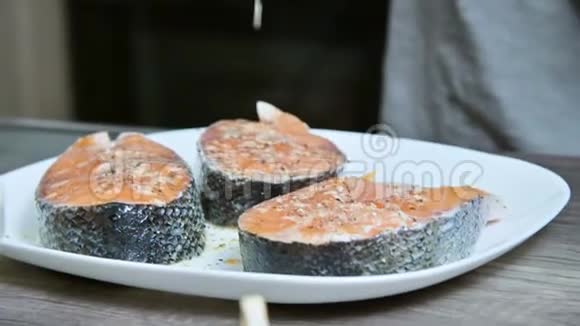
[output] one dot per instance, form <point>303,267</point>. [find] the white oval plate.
<point>533,195</point>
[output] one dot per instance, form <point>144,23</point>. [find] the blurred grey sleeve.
<point>492,75</point>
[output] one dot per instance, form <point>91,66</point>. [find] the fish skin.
<point>139,233</point>
<point>222,195</point>
<point>441,240</point>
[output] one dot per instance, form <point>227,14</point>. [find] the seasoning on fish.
<point>246,162</point>
<point>129,199</point>
<point>353,226</point>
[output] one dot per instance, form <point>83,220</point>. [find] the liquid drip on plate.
<point>222,251</point>
<point>257,21</point>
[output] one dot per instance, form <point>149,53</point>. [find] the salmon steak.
<point>130,199</point>
<point>353,226</point>
<point>246,162</point>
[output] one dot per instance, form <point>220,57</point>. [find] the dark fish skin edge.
<point>440,241</point>
<point>224,198</point>
<point>140,233</point>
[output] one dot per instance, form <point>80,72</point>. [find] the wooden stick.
<point>253,311</point>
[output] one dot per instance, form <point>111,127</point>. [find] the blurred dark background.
<point>189,63</point>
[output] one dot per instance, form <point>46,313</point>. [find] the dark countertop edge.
<point>70,126</point>
<point>75,126</point>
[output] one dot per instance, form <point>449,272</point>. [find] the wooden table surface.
<point>538,283</point>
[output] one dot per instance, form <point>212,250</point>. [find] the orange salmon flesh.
<point>132,169</point>
<point>279,144</point>
<point>343,209</point>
